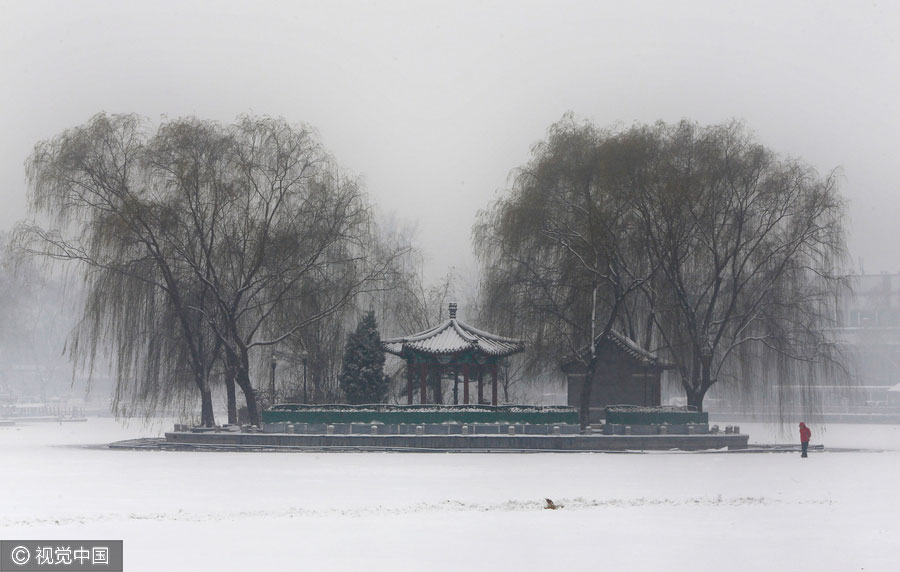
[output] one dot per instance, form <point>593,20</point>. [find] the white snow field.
<point>692,512</point>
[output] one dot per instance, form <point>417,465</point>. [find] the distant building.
<point>893,396</point>
<point>869,328</point>
<point>626,374</point>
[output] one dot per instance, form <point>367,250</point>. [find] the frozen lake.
<point>836,511</point>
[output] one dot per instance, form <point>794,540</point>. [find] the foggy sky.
<point>434,103</point>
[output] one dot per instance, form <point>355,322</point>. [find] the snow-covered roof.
<point>628,346</point>
<point>451,337</point>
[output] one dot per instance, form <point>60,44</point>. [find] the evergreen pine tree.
<point>362,374</point>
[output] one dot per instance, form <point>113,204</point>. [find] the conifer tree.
<point>362,375</point>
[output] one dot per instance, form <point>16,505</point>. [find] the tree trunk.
<point>695,396</point>
<point>243,381</point>
<point>240,365</point>
<point>699,387</point>
<point>695,399</point>
<point>230,396</point>
<point>207,418</point>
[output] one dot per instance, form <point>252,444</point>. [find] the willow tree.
<point>561,249</point>
<point>286,227</point>
<point>236,227</point>
<point>750,248</point>
<point>91,184</point>
<point>699,242</point>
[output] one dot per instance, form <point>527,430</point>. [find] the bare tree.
<point>696,241</point>
<point>408,302</point>
<point>91,182</point>
<point>750,248</point>
<point>560,250</point>
<point>226,231</point>
<point>298,226</point>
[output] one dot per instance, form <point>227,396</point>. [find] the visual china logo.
<point>72,555</point>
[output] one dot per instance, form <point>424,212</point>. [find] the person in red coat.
<point>805,434</point>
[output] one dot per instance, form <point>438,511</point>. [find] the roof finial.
<point>452,310</point>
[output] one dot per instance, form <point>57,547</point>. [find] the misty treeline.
<point>203,247</point>
<point>697,242</point>
<point>33,326</point>
<point>207,250</point>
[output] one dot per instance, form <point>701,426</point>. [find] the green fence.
<point>653,416</point>
<point>418,414</point>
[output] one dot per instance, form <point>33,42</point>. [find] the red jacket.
<point>805,433</point>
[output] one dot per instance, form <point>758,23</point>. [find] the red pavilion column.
<point>494,384</point>
<point>466,384</point>
<point>423,388</point>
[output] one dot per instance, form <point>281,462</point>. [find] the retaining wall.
<point>640,417</point>
<point>427,428</point>
<point>418,414</point>
<point>461,442</point>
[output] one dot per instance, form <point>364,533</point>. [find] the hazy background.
<point>433,103</point>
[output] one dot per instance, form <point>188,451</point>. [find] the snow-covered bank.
<point>836,435</point>
<point>384,511</point>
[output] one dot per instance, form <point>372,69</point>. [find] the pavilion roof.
<point>626,345</point>
<point>453,336</point>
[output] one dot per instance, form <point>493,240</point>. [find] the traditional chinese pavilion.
<point>452,346</point>
<point>625,375</point>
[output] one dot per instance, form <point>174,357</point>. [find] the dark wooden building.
<point>626,374</point>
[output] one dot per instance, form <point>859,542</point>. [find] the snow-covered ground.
<point>836,511</point>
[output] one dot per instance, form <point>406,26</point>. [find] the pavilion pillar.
<point>466,384</point>
<point>409,383</point>
<point>480,385</point>
<point>494,384</point>
<point>423,387</point>
<point>437,394</point>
